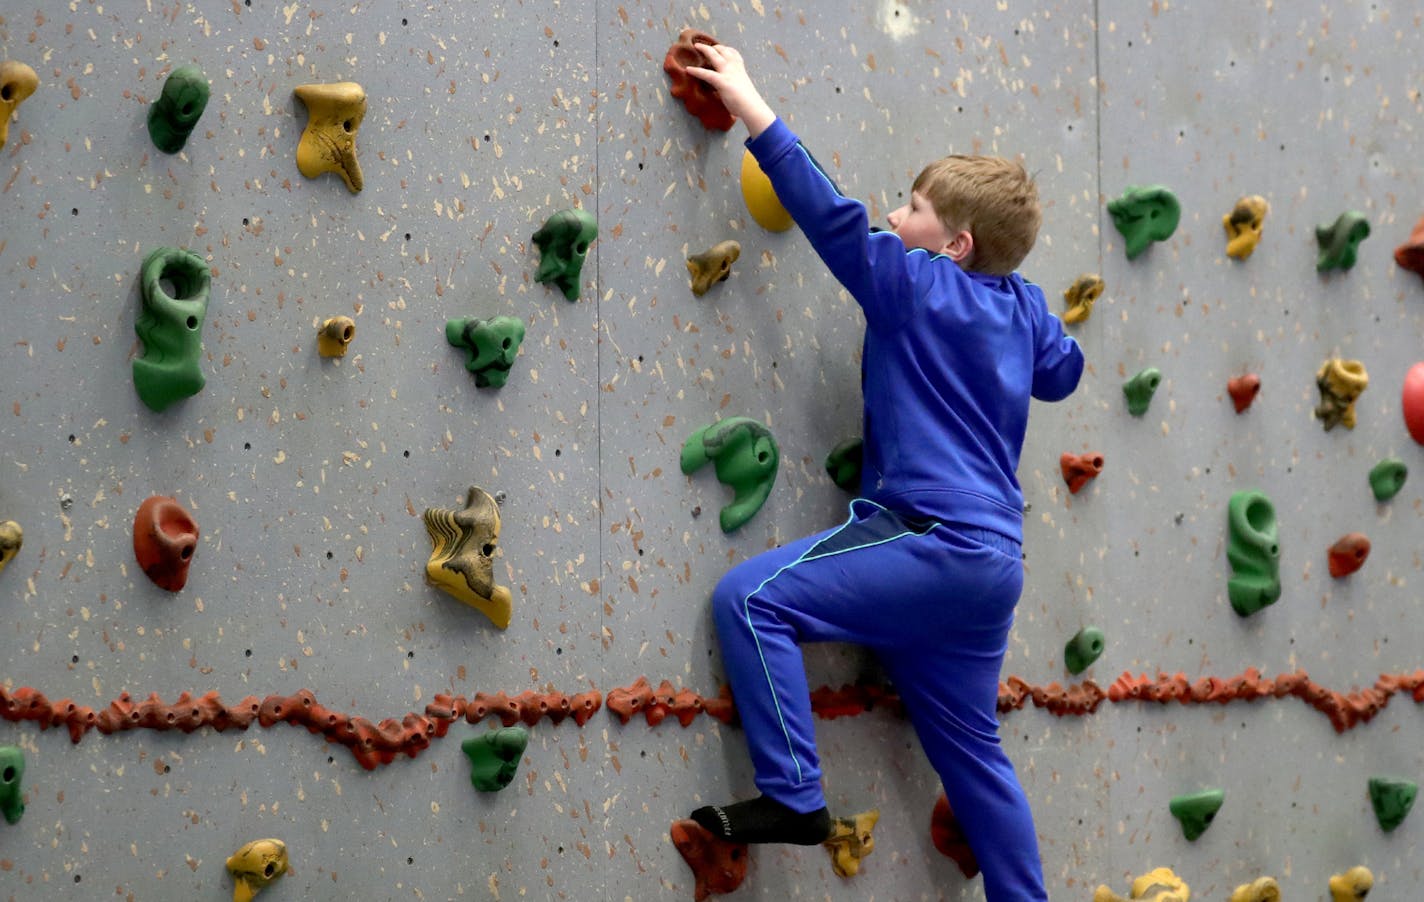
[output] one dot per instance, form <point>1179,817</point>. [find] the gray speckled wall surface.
<point>308,476</point>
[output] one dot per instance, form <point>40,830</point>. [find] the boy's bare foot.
<point>763,820</point>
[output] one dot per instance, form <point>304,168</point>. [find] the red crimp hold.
<point>445,710</point>
<point>700,98</point>
<point>722,707</point>
<point>718,866</point>
<point>660,705</point>
<point>626,701</point>
<point>556,707</point>
<point>1243,390</point>
<point>478,708</point>
<point>1348,554</point>
<point>1410,254</point>
<point>585,705</point>
<point>531,707</point>
<point>686,705</point>
<point>949,838</point>
<point>508,710</point>
<point>1013,694</point>
<point>1078,469</point>
<point>828,703</point>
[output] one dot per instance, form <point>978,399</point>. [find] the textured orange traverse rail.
<point>374,744</point>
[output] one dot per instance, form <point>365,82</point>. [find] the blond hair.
<point>993,199</point>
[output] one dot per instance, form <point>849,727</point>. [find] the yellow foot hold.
<point>1243,226</point>
<point>462,561</point>
<point>1353,885</point>
<point>1341,382</point>
<point>712,266</point>
<point>11,538</point>
<point>761,200</point>
<point>1160,885</point>
<point>850,841</point>
<point>255,866</point>
<point>1264,889</point>
<point>17,81</point>
<point>334,336</point>
<point>334,114</point>
<point>1080,296</point>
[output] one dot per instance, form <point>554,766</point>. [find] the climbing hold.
<point>172,117</point>
<point>164,539</point>
<point>1243,226</point>
<point>1083,649</point>
<point>1196,811</point>
<point>1079,298</point>
<point>17,82</point>
<point>12,773</point>
<point>328,143</point>
<point>1387,478</point>
<point>1140,388</point>
<point>713,265</point>
<point>256,866</point>
<point>1144,215</point>
<point>1253,552</point>
<point>563,243</point>
<point>761,200</point>
<point>1348,554</point>
<point>700,98</point>
<point>170,327</point>
<point>1079,468</point>
<point>494,757</point>
<point>1243,390</point>
<point>1340,241</point>
<point>11,538</point>
<point>1392,798</point>
<point>1413,402</point>
<point>334,336</point>
<point>1352,885</point>
<point>462,560</point>
<point>718,866</point>
<point>1409,255</point>
<point>844,462</point>
<point>949,838</point>
<point>1340,382</point>
<point>850,841</point>
<point>1262,889</point>
<point>746,460</point>
<point>492,344</point>
<point>1160,885</point>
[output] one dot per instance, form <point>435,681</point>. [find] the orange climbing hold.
<point>1078,469</point>
<point>1348,554</point>
<point>1410,254</point>
<point>700,98</point>
<point>1243,390</point>
<point>949,838</point>
<point>718,866</point>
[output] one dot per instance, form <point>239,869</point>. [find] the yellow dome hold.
<point>761,198</point>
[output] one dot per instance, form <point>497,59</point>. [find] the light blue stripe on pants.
<point>935,603</point>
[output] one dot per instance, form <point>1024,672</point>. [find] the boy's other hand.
<point>727,73</point>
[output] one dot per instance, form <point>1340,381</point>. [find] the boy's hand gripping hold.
<point>725,72</point>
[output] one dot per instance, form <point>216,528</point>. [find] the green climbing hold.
<point>746,459</point>
<point>1340,241</point>
<point>170,327</point>
<point>492,344</point>
<point>1196,811</point>
<point>1144,215</point>
<point>172,117</point>
<point>12,772</point>
<point>1083,649</point>
<point>563,243</point>
<point>844,462</point>
<point>1391,797</point>
<point>494,757</point>
<point>1253,552</point>
<point>1387,478</point>
<point>1140,389</point>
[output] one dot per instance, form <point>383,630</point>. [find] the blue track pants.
<point>935,604</point>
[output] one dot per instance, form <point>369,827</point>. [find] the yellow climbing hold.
<point>1160,885</point>
<point>1080,296</point>
<point>255,866</point>
<point>1352,885</point>
<point>1341,382</point>
<point>1263,889</point>
<point>850,841</point>
<point>11,538</point>
<point>761,198</point>
<point>328,144</point>
<point>335,335</point>
<point>17,81</point>
<point>1243,226</point>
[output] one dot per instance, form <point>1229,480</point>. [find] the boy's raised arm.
<point>726,72</point>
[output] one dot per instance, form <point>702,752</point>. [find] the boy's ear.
<point>959,247</point>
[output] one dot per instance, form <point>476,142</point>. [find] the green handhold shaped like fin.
<point>1392,798</point>
<point>1254,552</point>
<point>1083,649</point>
<point>1140,389</point>
<point>492,345</point>
<point>746,459</point>
<point>170,327</point>
<point>563,243</point>
<point>173,116</point>
<point>1340,241</point>
<point>494,757</point>
<point>1387,478</point>
<point>1196,811</point>
<point>1144,215</point>
<point>12,772</point>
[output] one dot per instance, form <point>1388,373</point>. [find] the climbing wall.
<point>308,476</point>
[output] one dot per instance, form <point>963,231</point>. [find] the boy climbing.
<point>927,569</point>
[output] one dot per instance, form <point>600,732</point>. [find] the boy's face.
<point>919,226</point>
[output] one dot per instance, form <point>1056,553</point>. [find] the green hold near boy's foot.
<point>1144,215</point>
<point>12,772</point>
<point>746,459</point>
<point>170,327</point>
<point>1140,389</point>
<point>1196,811</point>
<point>844,462</point>
<point>492,344</point>
<point>563,243</point>
<point>1387,478</point>
<point>1392,798</point>
<point>1083,649</point>
<point>494,757</point>
<point>172,117</point>
<point>1340,241</point>
<point>1254,552</point>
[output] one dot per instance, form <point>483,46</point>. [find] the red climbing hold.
<point>1243,390</point>
<point>1348,554</point>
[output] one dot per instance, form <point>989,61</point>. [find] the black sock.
<point>764,820</point>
